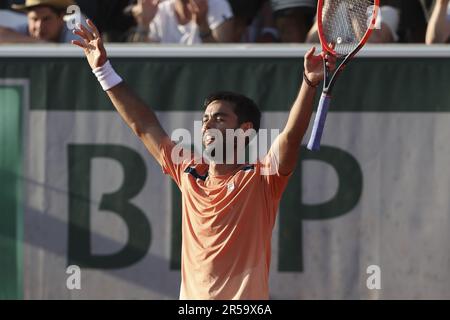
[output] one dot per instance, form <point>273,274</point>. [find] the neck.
<point>216,169</point>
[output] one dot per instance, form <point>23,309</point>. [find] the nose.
<point>37,28</point>
<point>206,125</point>
<point>38,24</point>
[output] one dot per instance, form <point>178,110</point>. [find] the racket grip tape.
<point>319,123</point>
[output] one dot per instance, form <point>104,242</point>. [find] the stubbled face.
<point>218,115</point>
<point>45,24</point>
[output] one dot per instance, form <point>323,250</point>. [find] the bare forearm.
<point>300,115</point>
<point>313,35</point>
<point>209,38</point>
<point>139,117</point>
<point>290,139</point>
<point>206,34</point>
<point>221,34</point>
<point>438,27</point>
<point>132,109</point>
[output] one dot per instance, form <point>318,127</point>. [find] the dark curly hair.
<point>245,108</point>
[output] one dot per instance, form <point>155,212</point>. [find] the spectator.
<point>45,23</point>
<point>413,20</point>
<point>438,30</point>
<point>110,18</point>
<point>387,24</point>
<point>293,18</point>
<point>253,21</point>
<point>406,19</point>
<point>183,21</point>
<point>388,21</point>
<point>8,18</point>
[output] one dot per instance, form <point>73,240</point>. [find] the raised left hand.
<point>313,64</point>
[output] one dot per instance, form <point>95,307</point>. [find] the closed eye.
<point>218,117</point>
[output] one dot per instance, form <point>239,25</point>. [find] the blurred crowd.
<point>211,21</point>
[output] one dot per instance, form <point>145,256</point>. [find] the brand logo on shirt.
<point>230,186</point>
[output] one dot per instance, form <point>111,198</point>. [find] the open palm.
<point>92,44</point>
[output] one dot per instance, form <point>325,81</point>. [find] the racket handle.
<point>319,123</point>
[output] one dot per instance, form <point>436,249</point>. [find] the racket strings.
<point>345,22</point>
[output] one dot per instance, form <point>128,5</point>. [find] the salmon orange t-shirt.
<point>227,224</point>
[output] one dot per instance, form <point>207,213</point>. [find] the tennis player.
<point>229,209</point>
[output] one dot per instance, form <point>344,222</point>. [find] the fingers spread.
<point>93,27</point>
<point>87,33</point>
<point>95,32</point>
<point>80,44</point>
<point>80,34</point>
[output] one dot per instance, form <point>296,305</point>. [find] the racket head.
<point>344,26</point>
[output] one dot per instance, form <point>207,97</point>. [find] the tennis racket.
<point>344,27</point>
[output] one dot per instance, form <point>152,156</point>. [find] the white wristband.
<point>106,75</point>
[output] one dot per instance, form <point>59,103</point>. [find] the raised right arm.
<point>137,115</point>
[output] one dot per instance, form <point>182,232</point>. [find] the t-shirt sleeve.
<point>154,32</point>
<point>156,26</point>
<point>391,17</point>
<point>275,181</point>
<point>219,11</point>
<point>174,160</point>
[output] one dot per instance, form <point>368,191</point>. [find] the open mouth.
<point>208,140</point>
